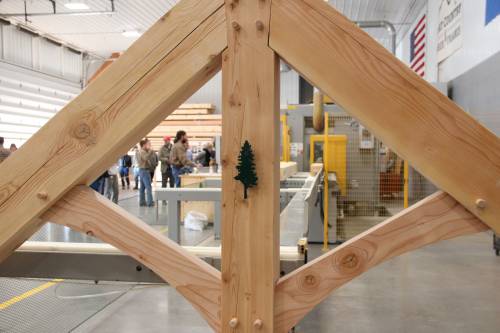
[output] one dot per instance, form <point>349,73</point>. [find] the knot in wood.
<point>309,282</point>
<point>82,131</point>
<point>310,279</point>
<point>349,261</point>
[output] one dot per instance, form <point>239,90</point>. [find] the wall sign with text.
<point>450,30</point>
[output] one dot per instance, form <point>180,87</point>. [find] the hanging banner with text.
<point>450,32</point>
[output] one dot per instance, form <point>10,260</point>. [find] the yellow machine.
<point>337,156</point>
<point>285,139</point>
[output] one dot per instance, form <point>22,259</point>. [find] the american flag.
<point>417,47</point>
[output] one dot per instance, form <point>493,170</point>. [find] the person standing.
<point>144,161</point>
<point>112,183</point>
<point>206,156</point>
<point>13,147</point>
<point>166,168</point>
<point>4,153</point>
<point>178,158</point>
<point>99,184</point>
<point>135,166</point>
<point>125,164</point>
<point>189,152</point>
<point>153,162</point>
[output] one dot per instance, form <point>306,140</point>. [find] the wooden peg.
<point>236,26</point>
<point>257,324</point>
<point>233,322</point>
<point>42,195</point>
<point>259,25</point>
<point>481,203</point>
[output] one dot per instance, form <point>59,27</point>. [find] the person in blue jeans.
<point>144,162</point>
<point>180,163</point>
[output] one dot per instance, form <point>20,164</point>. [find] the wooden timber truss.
<point>44,180</point>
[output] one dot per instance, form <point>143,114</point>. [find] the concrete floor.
<point>129,201</point>
<point>452,286</point>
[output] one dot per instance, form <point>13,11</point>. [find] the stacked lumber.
<point>287,169</point>
<point>197,120</point>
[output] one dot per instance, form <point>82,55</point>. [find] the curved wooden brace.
<point>86,211</point>
<point>433,219</point>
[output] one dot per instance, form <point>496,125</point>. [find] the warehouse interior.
<point>337,179</point>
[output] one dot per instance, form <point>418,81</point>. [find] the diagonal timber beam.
<point>86,211</point>
<point>439,139</point>
<point>170,62</point>
<point>436,218</point>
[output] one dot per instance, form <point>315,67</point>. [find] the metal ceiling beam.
<point>381,24</point>
<point>55,13</point>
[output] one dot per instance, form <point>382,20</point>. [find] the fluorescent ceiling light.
<point>131,33</point>
<point>76,5</point>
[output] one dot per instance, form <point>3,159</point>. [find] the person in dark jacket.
<point>125,164</point>
<point>153,162</point>
<point>178,157</point>
<point>166,167</point>
<point>206,155</point>
<point>4,153</point>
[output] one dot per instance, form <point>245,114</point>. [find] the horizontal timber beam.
<point>86,211</point>
<point>172,60</point>
<point>439,139</point>
<point>436,218</point>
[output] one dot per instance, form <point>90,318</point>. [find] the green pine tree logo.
<point>246,168</point>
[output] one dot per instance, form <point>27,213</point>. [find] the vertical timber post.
<point>250,227</point>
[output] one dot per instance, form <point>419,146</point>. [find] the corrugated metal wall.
<point>28,50</point>
<point>37,78</point>
<point>211,92</point>
<point>289,87</point>
<point>17,46</point>
<point>477,91</point>
<point>72,65</point>
<point>28,99</point>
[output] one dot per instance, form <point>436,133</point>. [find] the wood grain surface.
<point>433,219</point>
<point>250,228</point>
